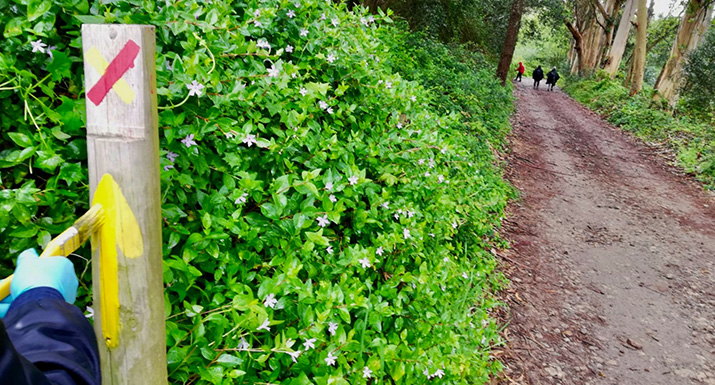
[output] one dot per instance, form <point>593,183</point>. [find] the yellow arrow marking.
<point>100,64</point>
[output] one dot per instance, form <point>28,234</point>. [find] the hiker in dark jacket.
<point>551,78</point>
<point>44,339</point>
<point>537,75</point>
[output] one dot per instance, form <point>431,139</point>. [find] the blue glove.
<point>55,272</point>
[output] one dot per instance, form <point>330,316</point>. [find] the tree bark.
<point>578,41</point>
<point>693,26</point>
<point>512,34</point>
<point>638,69</point>
<point>613,61</point>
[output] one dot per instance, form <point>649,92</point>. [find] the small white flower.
<point>439,373</point>
<point>379,251</point>
<point>454,225</point>
<point>329,250</point>
<point>303,32</point>
<point>303,91</point>
<point>333,198</point>
<point>365,262</point>
<point>50,49</point>
<point>465,275</point>
<point>323,221</point>
<point>309,344</point>
<point>289,48</point>
<point>426,372</point>
<point>445,259</point>
<point>330,359</point>
<point>371,19</point>
<point>257,13</point>
<point>323,105</point>
<point>228,135</point>
<point>485,323</point>
<point>195,88</point>
<point>90,312</point>
<point>273,72</point>
<point>484,340</point>
<point>330,110</point>
<point>168,167</point>
<point>421,161</point>
<point>250,140</point>
<point>243,345</point>
<point>189,141</point>
<point>399,125</point>
<point>322,16</point>
<point>270,301</point>
<point>413,98</point>
<point>363,21</point>
<point>366,372</point>
<point>331,58</point>
<point>440,178</point>
<point>444,288</point>
<point>329,186</point>
<point>241,200</point>
<point>335,22</point>
<point>397,216</point>
<point>263,44</point>
<point>258,24</point>
<point>294,355</point>
<point>38,46</point>
<point>353,180</point>
<point>406,233</point>
<point>332,328</point>
<point>171,156</point>
<point>265,326</point>
<point>386,205</point>
<point>427,174</point>
<point>431,235</point>
<point>388,85</point>
<point>291,14</point>
<point>296,4</point>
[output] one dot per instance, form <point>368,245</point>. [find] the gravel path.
<point>613,258</point>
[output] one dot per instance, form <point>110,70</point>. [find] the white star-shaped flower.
<point>303,91</point>
<point>427,174</point>
<point>258,24</point>
<point>431,235</point>
<point>386,205</point>
<point>333,198</point>
<point>90,312</point>
<point>323,17</point>
<point>195,88</point>
<point>454,225</point>
<point>371,19</point>
<point>273,72</point>
<point>241,200</point>
<point>49,51</point>
<point>257,13</point>
<point>189,141</point>
<point>263,44</point>
<point>330,110</point>
<point>294,355</point>
<point>330,359</point>
<point>365,262</point>
<point>265,326</point>
<point>440,178</point>
<point>366,372</point>
<point>309,343</point>
<point>353,180</point>
<point>445,259</point>
<point>270,301</point>
<point>289,48</point>
<point>426,372</point>
<point>379,251</point>
<point>406,234</point>
<point>171,156</point>
<point>331,58</point>
<point>250,140</point>
<point>397,216</point>
<point>388,85</point>
<point>485,323</point>
<point>323,105</point>
<point>399,125</point>
<point>329,250</point>
<point>421,161</point>
<point>243,345</point>
<point>303,32</point>
<point>291,14</point>
<point>335,22</point>
<point>439,373</point>
<point>38,46</point>
<point>329,186</point>
<point>363,21</point>
<point>323,221</point>
<point>413,98</point>
<point>332,328</point>
<point>465,275</point>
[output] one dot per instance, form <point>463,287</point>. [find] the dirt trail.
<point>613,259</point>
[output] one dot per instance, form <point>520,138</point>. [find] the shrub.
<point>316,204</point>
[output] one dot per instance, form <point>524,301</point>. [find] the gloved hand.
<point>55,272</point>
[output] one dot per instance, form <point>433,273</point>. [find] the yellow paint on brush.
<point>120,229</point>
<point>100,64</point>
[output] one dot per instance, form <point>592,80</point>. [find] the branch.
<point>605,14</point>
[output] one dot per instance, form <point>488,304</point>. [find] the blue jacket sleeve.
<point>47,341</point>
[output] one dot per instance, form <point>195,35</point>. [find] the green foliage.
<point>316,203</point>
<point>699,88</point>
<point>691,139</point>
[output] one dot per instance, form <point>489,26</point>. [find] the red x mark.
<point>116,69</point>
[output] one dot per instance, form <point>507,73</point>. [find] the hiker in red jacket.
<point>520,71</point>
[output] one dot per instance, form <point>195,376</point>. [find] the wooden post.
<point>123,141</point>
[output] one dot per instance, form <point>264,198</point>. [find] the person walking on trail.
<point>44,339</point>
<point>537,75</point>
<point>520,71</point>
<point>551,78</point>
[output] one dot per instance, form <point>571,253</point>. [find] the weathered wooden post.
<point>123,142</point>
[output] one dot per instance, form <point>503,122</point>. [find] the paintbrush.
<point>68,241</point>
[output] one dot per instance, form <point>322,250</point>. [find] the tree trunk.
<point>613,62</point>
<point>512,34</point>
<point>578,41</point>
<point>639,52</point>
<point>692,28</point>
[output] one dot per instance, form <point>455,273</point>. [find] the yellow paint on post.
<point>121,230</point>
<point>100,64</point>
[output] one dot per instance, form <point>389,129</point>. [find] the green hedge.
<point>316,203</point>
